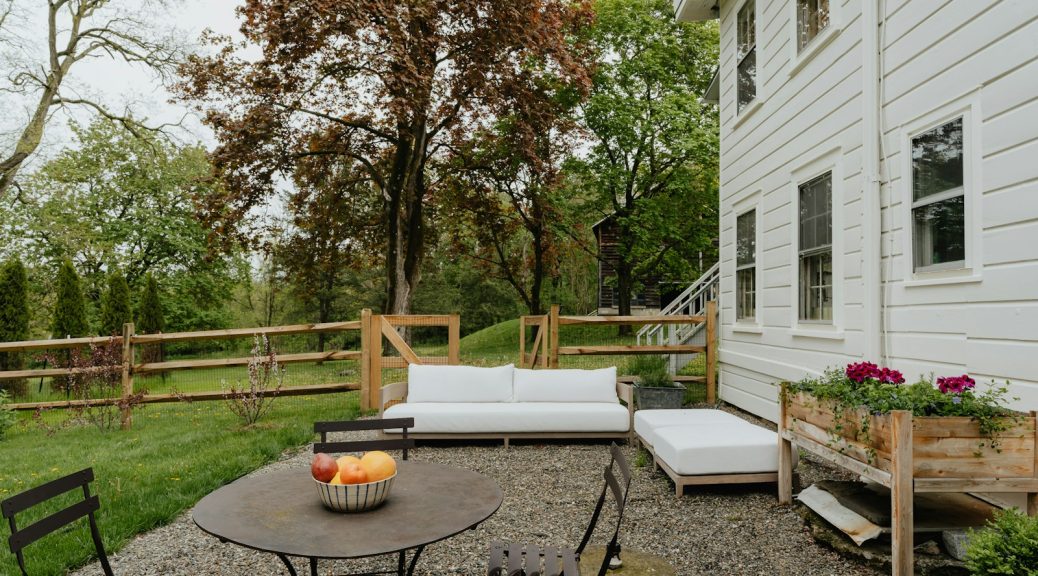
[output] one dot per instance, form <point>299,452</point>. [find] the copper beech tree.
<point>388,86</point>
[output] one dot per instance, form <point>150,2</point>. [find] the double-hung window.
<point>816,249</point>
<point>746,41</point>
<point>938,199</point>
<point>746,266</point>
<point>812,19</point>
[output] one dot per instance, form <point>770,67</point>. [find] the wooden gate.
<point>538,355</point>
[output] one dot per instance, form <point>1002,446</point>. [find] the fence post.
<point>127,411</point>
<point>553,333</point>
<point>711,351</point>
<point>375,371</point>
<point>522,342</point>
<point>542,329</point>
<point>365,359</point>
<point>901,493</point>
<point>454,340</point>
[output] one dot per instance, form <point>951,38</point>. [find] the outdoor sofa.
<point>504,402</point>
<point>706,446</point>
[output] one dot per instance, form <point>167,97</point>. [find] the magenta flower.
<point>862,371</point>
<point>955,384</point>
<point>888,376</point>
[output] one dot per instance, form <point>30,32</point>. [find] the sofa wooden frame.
<point>396,393</point>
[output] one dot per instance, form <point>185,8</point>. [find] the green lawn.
<point>174,455</point>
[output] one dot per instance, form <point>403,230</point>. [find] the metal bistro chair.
<point>510,559</point>
<point>19,502</point>
<point>403,444</point>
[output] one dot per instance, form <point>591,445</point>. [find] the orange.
<point>378,465</point>
<point>352,473</point>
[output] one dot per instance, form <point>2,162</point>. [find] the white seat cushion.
<point>717,448</point>
<point>646,422</point>
<point>463,417</point>
<point>459,383</point>
<point>566,385</point>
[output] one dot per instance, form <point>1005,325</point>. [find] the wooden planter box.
<point>910,454</point>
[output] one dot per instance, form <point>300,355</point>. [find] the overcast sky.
<point>118,84</point>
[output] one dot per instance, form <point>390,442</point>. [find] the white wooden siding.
<point>935,52</point>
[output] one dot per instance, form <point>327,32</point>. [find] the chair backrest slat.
<point>621,461</point>
<point>364,445</point>
<point>614,487</point>
<point>359,425</point>
<point>56,521</point>
<point>44,492</point>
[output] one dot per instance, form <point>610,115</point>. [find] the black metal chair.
<point>403,444</point>
<point>510,559</point>
<point>20,538</point>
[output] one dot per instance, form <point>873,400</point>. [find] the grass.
<point>147,476</point>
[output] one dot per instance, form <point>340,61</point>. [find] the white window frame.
<point>968,108</point>
<point>799,58</point>
<point>831,161</point>
<point>742,210</point>
<point>753,105</point>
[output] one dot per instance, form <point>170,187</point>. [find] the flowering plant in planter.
<point>866,388</point>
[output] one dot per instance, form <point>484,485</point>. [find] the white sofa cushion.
<point>566,385</point>
<point>717,448</point>
<point>459,383</point>
<point>646,422</point>
<point>464,417</point>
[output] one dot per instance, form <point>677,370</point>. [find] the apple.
<point>324,467</point>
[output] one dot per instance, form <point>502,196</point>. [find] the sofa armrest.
<point>392,393</point>
<point>626,393</point>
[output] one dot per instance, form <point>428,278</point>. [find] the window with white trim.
<point>938,199</point>
<point>746,266</point>
<point>812,19</point>
<point>746,56</point>
<point>816,249</point>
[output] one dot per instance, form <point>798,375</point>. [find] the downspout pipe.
<point>872,224</point>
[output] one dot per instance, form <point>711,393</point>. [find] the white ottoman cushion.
<point>459,383</point>
<point>717,448</point>
<point>486,417</point>
<point>646,422</point>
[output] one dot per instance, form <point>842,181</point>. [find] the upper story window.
<point>812,19</point>
<point>746,41</point>
<point>816,249</point>
<point>938,198</point>
<point>746,266</point>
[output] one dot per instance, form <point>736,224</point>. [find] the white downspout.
<point>872,226</point>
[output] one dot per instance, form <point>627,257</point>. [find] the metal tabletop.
<point>281,512</point>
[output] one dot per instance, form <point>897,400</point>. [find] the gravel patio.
<point>550,491</point>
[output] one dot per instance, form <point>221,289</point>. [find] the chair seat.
<point>511,559</point>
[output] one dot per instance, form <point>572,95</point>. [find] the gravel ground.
<point>550,492</point>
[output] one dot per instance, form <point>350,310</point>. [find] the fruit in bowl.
<point>352,484</point>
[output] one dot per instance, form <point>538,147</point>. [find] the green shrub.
<point>115,305</point>
<point>7,416</point>
<point>70,316</point>
<point>652,371</point>
<point>1008,545</point>
<point>14,320</point>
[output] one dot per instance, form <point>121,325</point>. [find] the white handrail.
<point>691,301</point>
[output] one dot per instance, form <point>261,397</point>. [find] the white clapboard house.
<point>879,189</point>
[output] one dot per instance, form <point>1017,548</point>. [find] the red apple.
<point>324,467</point>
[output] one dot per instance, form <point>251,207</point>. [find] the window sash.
<point>746,55</point>
<point>811,22</point>
<point>934,237</point>
<point>746,238</point>
<point>746,293</point>
<point>816,287</point>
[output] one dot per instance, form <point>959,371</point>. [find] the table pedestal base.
<point>401,561</point>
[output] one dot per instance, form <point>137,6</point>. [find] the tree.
<point>115,305</point>
<point>70,315</point>
<point>150,319</point>
<point>14,319</point>
<point>652,162</point>
<point>77,30</point>
<point>382,87</point>
<point>128,202</point>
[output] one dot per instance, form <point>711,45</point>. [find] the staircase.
<point>692,301</point>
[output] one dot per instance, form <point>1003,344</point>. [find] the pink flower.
<point>888,376</point>
<point>955,384</point>
<point>861,371</point>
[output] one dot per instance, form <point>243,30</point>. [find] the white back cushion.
<point>567,385</point>
<point>459,383</point>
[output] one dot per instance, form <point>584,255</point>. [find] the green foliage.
<point>150,318</point>
<point>14,319</point>
<point>70,316</point>
<point>115,305</point>
<point>652,371</point>
<point>655,142</point>
<point>987,408</point>
<point>455,286</point>
<point>7,416</point>
<point>1007,546</point>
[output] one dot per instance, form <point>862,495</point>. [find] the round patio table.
<point>280,512</point>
